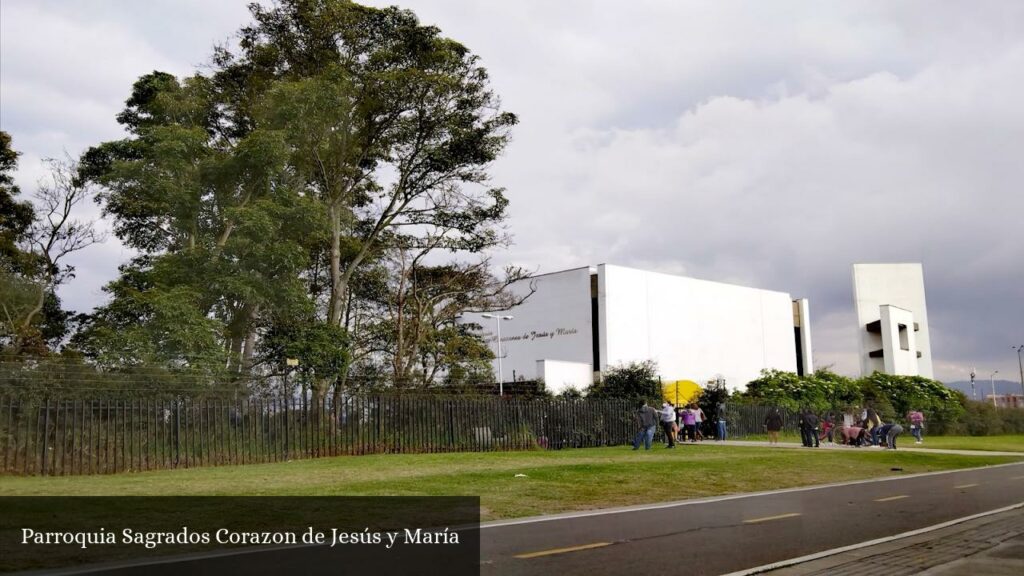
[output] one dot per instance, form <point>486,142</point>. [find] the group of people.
<point>872,430</point>
<point>869,430</point>
<point>685,421</point>
<point>685,424</point>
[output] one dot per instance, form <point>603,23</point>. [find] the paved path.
<point>911,448</point>
<point>721,535</point>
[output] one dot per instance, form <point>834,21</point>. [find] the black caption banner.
<point>226,535</point>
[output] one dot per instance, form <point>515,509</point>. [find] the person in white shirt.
<point>699,417</point>
<point>668,421</point>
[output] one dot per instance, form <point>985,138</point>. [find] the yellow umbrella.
<point>680,392</point>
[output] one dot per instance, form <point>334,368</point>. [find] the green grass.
<point>556,481</point>
<point>1005,443</point>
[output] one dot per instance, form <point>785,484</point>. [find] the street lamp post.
<point>497,323</point>
<point>974,391</point>
<point>992,382</point>
<point>1020,366</point>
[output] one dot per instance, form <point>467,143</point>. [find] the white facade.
<point>590,319</point>
<point>892,319</point>
<point>694,329</point>
<point>554,323</point>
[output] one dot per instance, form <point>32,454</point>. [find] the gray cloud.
<point>769,144</point>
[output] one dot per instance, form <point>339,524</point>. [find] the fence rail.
<point>102,436</point>
<point>70,437</point>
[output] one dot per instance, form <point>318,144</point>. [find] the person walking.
<point>916,419</point>
<point>720,417</point>
<point>699,419</point>
<point>773,423</point>
<point>668,422</point>
<point>690,424</point>
<point>646,419</point>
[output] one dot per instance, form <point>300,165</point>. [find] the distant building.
<point>1006,400</point>
<point>582,322</point>
<point>892,319</point>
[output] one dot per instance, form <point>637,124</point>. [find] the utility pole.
<point>992,382</point>
<point>1020,366</point>
<point>497,322</point>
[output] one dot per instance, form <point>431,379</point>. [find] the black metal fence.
<point>107,435</point>
<point>81,436</point>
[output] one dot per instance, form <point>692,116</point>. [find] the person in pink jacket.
<point>916,419</point>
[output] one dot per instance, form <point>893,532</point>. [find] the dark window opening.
<point>799,351</point>
<point>595,333</point>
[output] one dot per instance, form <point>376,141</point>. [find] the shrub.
<point>634,380</point>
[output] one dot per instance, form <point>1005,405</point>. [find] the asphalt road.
<point>712,536</point>
<point>716,537</point>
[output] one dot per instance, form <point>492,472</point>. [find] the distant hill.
<point>984,388</point>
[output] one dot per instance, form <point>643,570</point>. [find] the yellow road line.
<point>563,550</point>
<point>965,486</point>
<point>891,498</point>
<point>767,518</point>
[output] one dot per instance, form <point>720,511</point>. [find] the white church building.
<point>581,322</point>
<point>892,319</point>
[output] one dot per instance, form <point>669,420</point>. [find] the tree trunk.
<point>249,349</point>
<point>339,284</point>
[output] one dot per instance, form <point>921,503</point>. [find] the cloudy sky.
<point>770,144</point>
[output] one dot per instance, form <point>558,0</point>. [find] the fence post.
<point>286,445</point>
<point>46,435</point>
<point>177,432</point>
<point>451,426</point>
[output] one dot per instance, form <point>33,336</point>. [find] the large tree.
<point>16,216</point>
<point>263,194</point>
<point>222,225</point>
<point>35,242</point>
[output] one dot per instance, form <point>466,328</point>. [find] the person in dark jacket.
<point>646,419</point>
<point>809,428</point>
<point>773,423</point>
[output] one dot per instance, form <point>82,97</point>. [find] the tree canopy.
<point>271,196</point>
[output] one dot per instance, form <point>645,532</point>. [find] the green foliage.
<point>984,419</point>
<point>710,397</point>
<point>265,196</point>
<point>143,326</point>
<point>570,393</point>
<point>891,396</point>
<point>319,348</point>
<point>32,245</point>
<point>905,393</point>
<point>786,389</point>
<point>636,380</point>
<point>15,216</point>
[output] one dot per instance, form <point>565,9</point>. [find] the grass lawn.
<point>1004,443</point>
<point>556,481</point>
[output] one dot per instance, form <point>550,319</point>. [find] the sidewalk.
<point>911,448</point>
<point>992,545</point>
